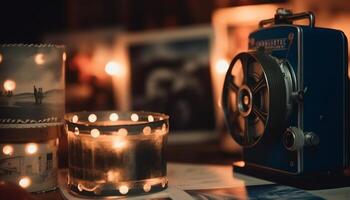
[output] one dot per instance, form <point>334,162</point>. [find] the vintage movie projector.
<point>286,100</point>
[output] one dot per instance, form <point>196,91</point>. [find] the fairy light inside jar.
<point>95,133</point>
<point>75,119</point>
<point>134,117</point>
<point>124,189</point>
<point>122,132</point>
<point>24,182</point>
<point>113,117</point>
<point>92,118</point>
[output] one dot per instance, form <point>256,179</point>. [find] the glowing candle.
<point>106,148</point>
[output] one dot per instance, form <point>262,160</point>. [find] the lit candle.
<point>124,149</point>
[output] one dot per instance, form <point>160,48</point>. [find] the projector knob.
<point>293,139</point>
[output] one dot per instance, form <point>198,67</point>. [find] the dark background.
<point>27,21</point>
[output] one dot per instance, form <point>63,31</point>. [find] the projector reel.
<point>256,97</point>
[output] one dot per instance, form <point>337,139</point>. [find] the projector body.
<point>286,100</point>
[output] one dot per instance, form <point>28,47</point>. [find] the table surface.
<point>200,153</point>
<point>206,153</point>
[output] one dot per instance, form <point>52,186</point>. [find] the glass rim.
<point>131,122</point>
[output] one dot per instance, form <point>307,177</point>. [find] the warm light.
<point>112,176</point>
<point>119,143</point>
<point>95,133</point>
<point>0,58</point>
<point>222,66</point>
<point>123,189</point>
<point>147,187</point>
<point>113,68</point>
<point>75,119</point>
<point>80,187</point>
<point>7,150</point>
<point>92,118</point>
<point>219,103</point>
<point>39,59</point>
<point>134,117</point>
<point>150,118</point>
<point>164,181</point>
<point>239,164</point>
<point>147,130</point>
<point>113,117</point>
<point>76,131</point>
<point>9,85</point>
<point>64,56</point>
<point>164,127</point>
<point>122,132</point>
<point>24,182</point>
<point>31,148</point>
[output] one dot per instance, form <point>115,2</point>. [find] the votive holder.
<point>116,153</point>
<point>32,107</point>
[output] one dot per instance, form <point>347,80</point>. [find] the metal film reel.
<point>256,96</point>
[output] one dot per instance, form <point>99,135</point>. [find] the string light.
<point>122,132</point>
<point>124,189</point>
<point>134,117</point>
<point>9,85</point>
<point>92,118</point>
<point>31,148</point>
<point>150,118</point>
<point>147,187</point>
<point>24,182</point>
<point>95,133</point>
<point>75,119</point>
<point>7,150</point>
<point>114,69</point>
<point>39,59</point>
<point>113,117</point>
<point>147,130</point>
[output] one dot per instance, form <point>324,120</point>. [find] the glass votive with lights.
<point>116,153</point>
<point>32,107</point>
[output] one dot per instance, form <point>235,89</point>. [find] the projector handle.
<point>285,16</point>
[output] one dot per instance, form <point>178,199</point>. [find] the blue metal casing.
<point>318,57</point>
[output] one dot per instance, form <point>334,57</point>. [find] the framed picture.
<point>169,73</point>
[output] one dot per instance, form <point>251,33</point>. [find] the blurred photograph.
<point>170,74</point>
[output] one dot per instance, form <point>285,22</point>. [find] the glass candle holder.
<point>31,113</point>
<point>116,153</point>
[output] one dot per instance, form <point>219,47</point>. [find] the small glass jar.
<point>116,153</point>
